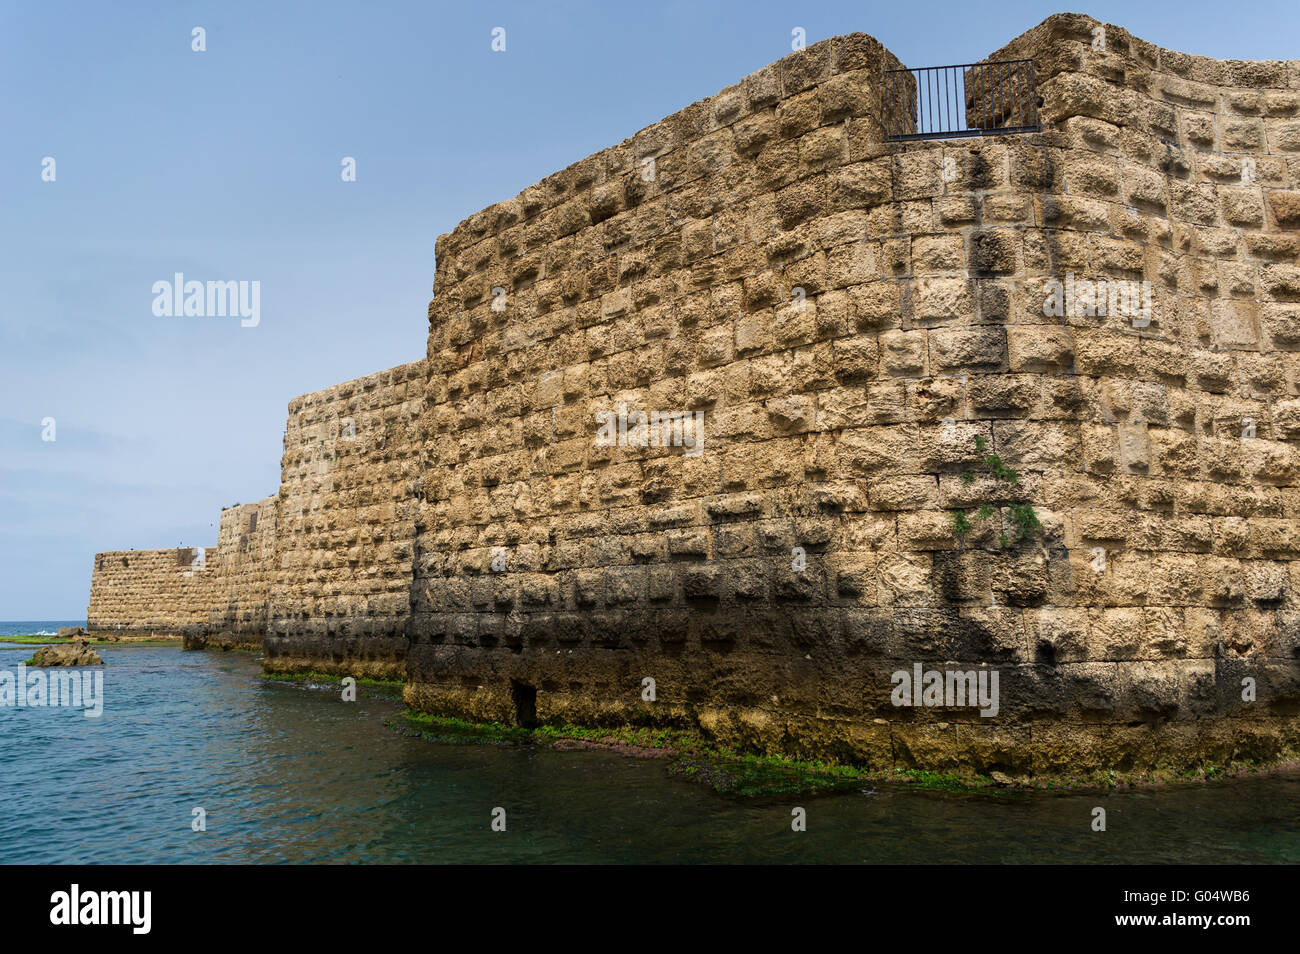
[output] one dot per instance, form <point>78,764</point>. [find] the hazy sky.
<point>225,165</point>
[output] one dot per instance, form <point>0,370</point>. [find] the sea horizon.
<point>47,627</point>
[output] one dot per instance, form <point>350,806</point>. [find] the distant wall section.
<point>153,592</point>
<point>246,542</point>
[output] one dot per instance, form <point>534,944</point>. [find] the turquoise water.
<point>287,773</point>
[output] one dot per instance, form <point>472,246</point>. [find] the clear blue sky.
<point>225,165</point>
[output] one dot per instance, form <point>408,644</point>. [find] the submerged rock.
<point>76,653</point>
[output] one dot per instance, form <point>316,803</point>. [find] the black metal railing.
<point>970,99</point>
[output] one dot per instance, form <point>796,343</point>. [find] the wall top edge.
<point>817,64</point>
<point>109,554</point>
<point>386,378</point>
<point>813,65</point>
<point>1079,27</point>
<point>255,503</point>
<point>788,76</point>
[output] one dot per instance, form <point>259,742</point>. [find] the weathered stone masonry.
<point>324,567</point>
<point>152,592</point>
<point>849,315</point>
<point>213,596</point>
<point>347,510</point>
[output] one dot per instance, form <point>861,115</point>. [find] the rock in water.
<point>75,653</point>
<point>66,632</point>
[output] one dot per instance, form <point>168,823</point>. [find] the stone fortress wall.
<point>246,541</point>
<point>842,330</point>
<point>318,575</point>
<point>341,587</point>
<point>214,597</point>
<point>152,592</point>
<point>655,276</point>
<point>839,421</point>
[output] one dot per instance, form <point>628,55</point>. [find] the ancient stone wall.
<point>653,276</point>
<point>740,424</point>
<point>340,594</point>
<point>325,565</point>
<point>899,453</point>
<point>153,592</point>
<point>246,542</point>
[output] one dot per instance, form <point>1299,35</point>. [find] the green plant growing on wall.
<point>1022,516</point>
<point>994,463</point>
<point>1025,520</point>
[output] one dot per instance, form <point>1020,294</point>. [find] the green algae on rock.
<point>76,652</point>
